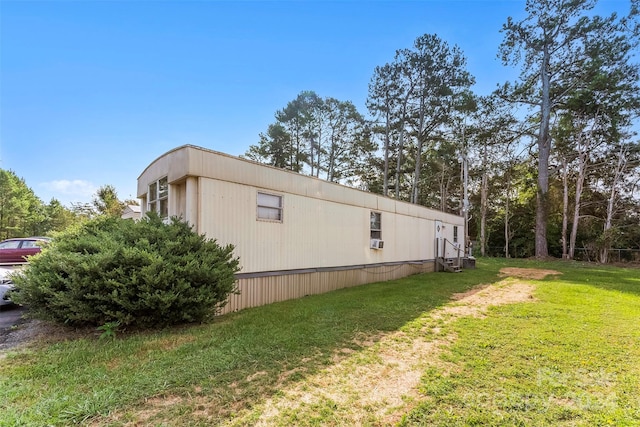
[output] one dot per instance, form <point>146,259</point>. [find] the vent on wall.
<point>377,244</point>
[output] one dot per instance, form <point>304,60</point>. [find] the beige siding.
<point>313,232</point>
<point>228,213</point>
<point>194,161</point>
<point>324,224</point>
<point>255,292</point>
<point>178,200</point>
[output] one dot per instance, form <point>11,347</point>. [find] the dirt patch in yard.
<point>528,273</point>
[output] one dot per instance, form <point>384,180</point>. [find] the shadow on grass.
<point>238,360</point>
<point>260,351</point>
<point>223,367</point>
<point>208,373</point>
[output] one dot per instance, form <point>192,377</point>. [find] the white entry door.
<point>438,239</point>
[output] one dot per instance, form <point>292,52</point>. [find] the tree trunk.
<point>565,206</point>
<point>332,157</point>
<point>507,231</point>
<point>399,163</point>
<point>484,192</point>
<point>582,167</point>
<point>319,151</point>
<point>544,151</point>
<point>385,182</point>
<point>443,190</point>
<point>465,202</point>
<point>585,143</point>
<point>312,156</point>
<point>401,144</point>
<point>608,223</point>
<point>416,179</point>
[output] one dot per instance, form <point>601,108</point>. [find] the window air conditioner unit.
<point>377,244</point>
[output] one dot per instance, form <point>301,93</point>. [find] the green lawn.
<point>569,357</point>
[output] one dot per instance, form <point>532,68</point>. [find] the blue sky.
<point>91,92</point>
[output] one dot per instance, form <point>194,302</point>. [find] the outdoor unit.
<point>377,244</point>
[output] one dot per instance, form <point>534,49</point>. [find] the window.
<point>455,234</point>
<point>269,207</point>
<point>158,197</point>
<point>11,244</point>
<point>376,225</point>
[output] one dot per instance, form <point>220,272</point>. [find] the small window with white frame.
<point>455,234</point>
<point>269,207</point>
<point>376,225</point>
<point>158,197</point>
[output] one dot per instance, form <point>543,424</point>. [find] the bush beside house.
<point>142,274</point>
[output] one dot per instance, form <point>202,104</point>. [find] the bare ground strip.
<point>374,386</point>
<point>380,384</point>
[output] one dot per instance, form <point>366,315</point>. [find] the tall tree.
<point>58,216</point>
<point>274,148</point>
<point>625,161</point>
<point>381,103</point>
<point>406,81</point>
<point>492,137</point>
<point>106,201</point>
<point>348,143</point>
<point>299,118</point>
<point>416,95</point>
<point>605,98</point>
<point>317,135</point>
<point>21,211</point>
<point>442,85</point>
<point>551,44</point>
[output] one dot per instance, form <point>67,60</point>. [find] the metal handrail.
<point>456,246</point>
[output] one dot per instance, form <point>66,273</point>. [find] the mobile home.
<point>295,235</point>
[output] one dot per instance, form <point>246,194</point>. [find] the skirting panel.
<point>257,291</point>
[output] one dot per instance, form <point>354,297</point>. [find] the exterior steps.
<point>449,264</point>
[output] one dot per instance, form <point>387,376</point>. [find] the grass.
<point>567,359</point>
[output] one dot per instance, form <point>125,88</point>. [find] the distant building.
<point>295,235</point>
<point>132,212</point>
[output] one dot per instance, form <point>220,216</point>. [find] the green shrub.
<point>143,274</point>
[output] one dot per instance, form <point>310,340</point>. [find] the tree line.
<point>553,158</point>
<point>23,214</point>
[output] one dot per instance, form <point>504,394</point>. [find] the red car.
<point>15,251</point>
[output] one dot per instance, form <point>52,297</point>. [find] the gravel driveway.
<point>12,326</point>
